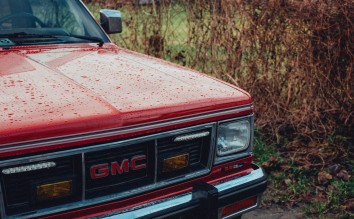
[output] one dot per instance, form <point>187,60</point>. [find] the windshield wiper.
<point>29,35</point>
<point>26,35</point>
<point>91,38</point>
<point>22,38</point>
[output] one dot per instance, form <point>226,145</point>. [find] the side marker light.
<point>191,136</point>
<point>27,168</point>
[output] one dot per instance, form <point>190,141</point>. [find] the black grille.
<point>20,188</point>
<point>198,151</point>
<point>119,182</point>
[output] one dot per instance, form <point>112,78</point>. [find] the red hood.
<point>55,91</point>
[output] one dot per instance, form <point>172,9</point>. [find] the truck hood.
<point>56,91</point>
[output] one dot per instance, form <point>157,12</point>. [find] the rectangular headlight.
<point>233,137</point>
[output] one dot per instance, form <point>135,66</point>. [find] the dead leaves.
<point>343,174</point>
<point>272,163</point>
<point>287,181</point>
<point>334,169</point>
<point>323,178</point>
<point>350,204</point>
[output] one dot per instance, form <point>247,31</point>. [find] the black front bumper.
<point>205,201</point>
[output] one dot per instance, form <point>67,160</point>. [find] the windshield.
<point>32,22</point>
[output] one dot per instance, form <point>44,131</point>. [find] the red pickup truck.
<point>89,129</point>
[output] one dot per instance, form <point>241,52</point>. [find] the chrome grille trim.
<point>156,159</point>
<point>83,169</point>
<point>104,146</point>
<point>2,204</point>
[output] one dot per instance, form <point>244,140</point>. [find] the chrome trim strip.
<point>116,132</point>
<point>153,207</point>
<point>2,202</point>
<point>105,146</point>
<point>156,160</point>
<point>164,204</point>
<point>83,176</point>
<point>255,174</point>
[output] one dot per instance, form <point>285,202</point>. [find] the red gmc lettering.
<point>99,171</point>
<point>137,158</point>
<point>103,170</point>
<point>124,167</point>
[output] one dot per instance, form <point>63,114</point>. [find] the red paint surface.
<point>90,138</point>
<point>217,174</point>
<point>51,91</point>
<point>12,63</point>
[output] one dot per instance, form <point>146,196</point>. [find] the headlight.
<point>233,137</point>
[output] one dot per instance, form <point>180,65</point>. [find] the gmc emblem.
<point>114,168</point>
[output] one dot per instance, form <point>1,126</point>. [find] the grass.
<point>296,185</point>
<point>334,202</point>
<point>262,151</point>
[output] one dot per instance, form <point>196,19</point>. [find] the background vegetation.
<point>295,58</point>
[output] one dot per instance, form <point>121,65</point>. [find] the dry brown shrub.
<point>295,57</point>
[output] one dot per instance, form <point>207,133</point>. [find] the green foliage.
<point>262,151</point>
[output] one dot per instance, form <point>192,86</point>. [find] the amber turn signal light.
<point>54,190</point>
<point>175,163</point>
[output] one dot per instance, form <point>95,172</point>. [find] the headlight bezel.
<point>218,159</point>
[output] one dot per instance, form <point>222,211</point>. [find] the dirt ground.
<point>274,212</point>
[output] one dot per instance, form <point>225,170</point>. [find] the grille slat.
<point>108,153</point>
<point>173,145</point>
<point>112,157</point>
